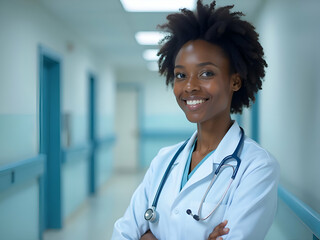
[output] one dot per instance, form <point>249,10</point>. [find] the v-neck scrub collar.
<point>186,175</point>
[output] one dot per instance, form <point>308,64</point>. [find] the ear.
<point>236,82</point>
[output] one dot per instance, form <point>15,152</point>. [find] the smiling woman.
<point>219,182</point>
<point>203,85</point>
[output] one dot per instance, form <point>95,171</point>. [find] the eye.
<point>179,75</point>
<point>207,74</point>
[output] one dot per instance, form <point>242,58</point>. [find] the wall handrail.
<point>305,213</point>
<point>72,150</point>
<point>21,171</point>
<point>87,147</point>
<point>165,134</point>
<point>76,149</point>
<point>108,140</point>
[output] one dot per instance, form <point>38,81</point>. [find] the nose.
<point>192,84</point>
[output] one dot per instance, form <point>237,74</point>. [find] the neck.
<point>210,134</point>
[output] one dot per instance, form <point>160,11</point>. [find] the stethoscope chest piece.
<point>151,214</point>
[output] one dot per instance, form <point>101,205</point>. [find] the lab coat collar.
<point>181,162</point>
<point>226,147</point>
<point>228,144</point>
<point>184,154</point>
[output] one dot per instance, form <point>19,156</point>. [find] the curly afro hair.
<point>226,29</point>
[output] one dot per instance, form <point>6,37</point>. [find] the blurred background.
<point>83,111</point>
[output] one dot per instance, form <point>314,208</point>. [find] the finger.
<point>217,235</point>
<point>221,225</point>
<point>224,223</point>
<point>219,230</point>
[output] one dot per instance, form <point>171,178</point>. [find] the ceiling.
<point>110,30</point>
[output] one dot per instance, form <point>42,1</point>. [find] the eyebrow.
<point>206,63</point>
<point>199,65</point>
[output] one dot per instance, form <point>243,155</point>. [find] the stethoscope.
<point>151,213</point>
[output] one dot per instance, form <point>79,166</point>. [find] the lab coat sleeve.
<point>253,206</point>
<point>132,225</point>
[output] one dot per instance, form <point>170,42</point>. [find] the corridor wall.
<point>290,110</point>
<point>290,103</point>
<point>26,25</point>
<point>161,121</point>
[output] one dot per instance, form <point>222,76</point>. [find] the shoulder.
<point>254,156</point>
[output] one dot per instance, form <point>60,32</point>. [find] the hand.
<point>148,236</point>
<point>219,231</point>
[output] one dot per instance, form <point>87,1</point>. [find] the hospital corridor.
<point>95,218</point>
<point>84,112</point>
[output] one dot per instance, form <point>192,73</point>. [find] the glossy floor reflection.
<point>95,219</point>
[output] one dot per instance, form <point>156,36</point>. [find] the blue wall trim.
<point>106,141</point>
<point>86,148</point>
<point>76,149</point>
<point>164,134</point>
<point>21,171</point>
<point>306,214</point>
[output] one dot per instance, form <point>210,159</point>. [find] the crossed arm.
<point>216,234</point>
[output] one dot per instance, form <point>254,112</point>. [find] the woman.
<point>215,63</point>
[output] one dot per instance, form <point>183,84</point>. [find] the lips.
<point>194,103</point>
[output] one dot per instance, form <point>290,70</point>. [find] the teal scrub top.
<point>186,175</point>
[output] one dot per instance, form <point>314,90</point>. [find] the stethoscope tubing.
<point>165,176</point>
<point>197,217</point>
<point>235,155</point>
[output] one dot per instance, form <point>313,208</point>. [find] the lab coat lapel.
<point>178,168</point>
<point>226,147</point>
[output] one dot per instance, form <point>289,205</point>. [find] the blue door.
<point>92,134</point>
<point>50,143</point>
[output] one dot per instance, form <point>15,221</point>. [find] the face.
<point>203,84</point>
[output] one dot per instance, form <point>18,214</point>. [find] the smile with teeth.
<point>194,102</point>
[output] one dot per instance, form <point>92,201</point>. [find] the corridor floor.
<point>95,219</point>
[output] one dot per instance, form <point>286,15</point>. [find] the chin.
<point>193,119</point>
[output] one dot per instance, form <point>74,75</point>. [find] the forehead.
<point>197,51</point>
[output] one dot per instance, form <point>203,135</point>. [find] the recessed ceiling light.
<point>156,5</point>
<point>149,37</point>
<point>150,54</point>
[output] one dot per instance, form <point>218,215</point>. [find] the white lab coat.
<point>249,205</point>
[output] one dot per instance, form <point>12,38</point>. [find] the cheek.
<point>214,90</point>
<point>177,93</point>
<point>176,90</point>
<point>221,90</point>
